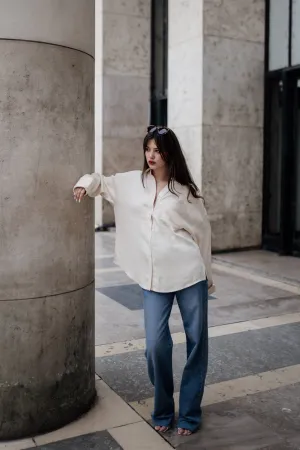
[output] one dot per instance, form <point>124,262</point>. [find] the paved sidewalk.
<point>252,398</point>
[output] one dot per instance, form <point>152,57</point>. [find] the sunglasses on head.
<point>160,130</point>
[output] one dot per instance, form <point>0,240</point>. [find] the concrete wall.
<point>126,82</point>
<point>233,66</point>
<point>46,239</point>
<point>185,84</point>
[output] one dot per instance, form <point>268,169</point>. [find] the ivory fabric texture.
<point>163,245</point>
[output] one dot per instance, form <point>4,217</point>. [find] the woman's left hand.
<point>79,193</point>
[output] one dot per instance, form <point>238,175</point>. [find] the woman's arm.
<point>96,184</point>
<point>200,229</point>
<point>205,249</point>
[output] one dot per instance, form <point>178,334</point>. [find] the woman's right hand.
<point>79,193</point>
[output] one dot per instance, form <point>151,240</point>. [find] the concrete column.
<point>46,240</point>
<point>99,105</point>
<point>126,86</point>
<point>233,97</point>
<point>215,98</point>
<point>185,79</point>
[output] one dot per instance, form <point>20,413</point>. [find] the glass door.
<point>273,164</point>
<point>296,167</point>
<point>281,206</point>
<point>281,225</point>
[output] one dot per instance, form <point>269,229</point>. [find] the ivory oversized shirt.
<point>163,245</point>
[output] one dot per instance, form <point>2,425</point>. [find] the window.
<point>159,62</point>
<point>295,39</point>
<point>284,33</point>
<point>279,34</point>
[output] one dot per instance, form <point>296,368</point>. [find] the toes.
<point>161,429</point>
<point>183,432</point>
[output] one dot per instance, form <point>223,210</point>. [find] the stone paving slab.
<point>285,268</point>
<point>129,295</point>
<point>100,441</point>
<point>104,263</point>
<point>227,431</point>
<point>231,357</point>
<point>277,409</point>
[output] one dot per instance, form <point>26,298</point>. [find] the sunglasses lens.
<point>151,129</point>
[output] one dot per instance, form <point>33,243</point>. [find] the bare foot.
<point>161,429</point>
<point>184,432</point>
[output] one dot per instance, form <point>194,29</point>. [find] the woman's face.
<point>153,157</point>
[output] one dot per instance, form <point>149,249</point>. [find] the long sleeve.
<point>96,184</point>
<point>205,249</point>
<point>200,229</point>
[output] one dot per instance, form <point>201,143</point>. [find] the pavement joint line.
<point>118,348</point>
<point>233,389</point>
<point>127,424</point>
<point>262,279</point>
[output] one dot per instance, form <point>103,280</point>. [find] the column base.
<point>47,372</point>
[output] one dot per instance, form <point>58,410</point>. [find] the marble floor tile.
<point>139,436</point>
<point>257,278</point>
<point>17,445</point>
<point>99,441</point>
<point>114,322</point>
<point>227,432</point>
<point>278,409</point>
<point>128,346</point>
<point>268,263</point>
<point>295,440</point>
<point>241,388</point>
<point>104,263</point>
<point>129,295</point>
<point>111,278</point>
<point>104,244</point>
<point>109,411</point>
<point>230,357</point>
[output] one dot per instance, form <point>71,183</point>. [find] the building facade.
<point>207,69</point>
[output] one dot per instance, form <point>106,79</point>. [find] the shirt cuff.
<point>211,289</point>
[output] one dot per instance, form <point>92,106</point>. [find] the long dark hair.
<point>171,152</point>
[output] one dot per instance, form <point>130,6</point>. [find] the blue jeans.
<point>192,303</point>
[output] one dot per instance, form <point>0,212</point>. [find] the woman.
<point>163,243</point>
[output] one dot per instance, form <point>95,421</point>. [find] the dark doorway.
<point>281,228</point>
<point>159,62</point>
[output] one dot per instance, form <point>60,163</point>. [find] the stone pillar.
<point>126,84</point>
<point>215,104</point>
<point>185,79</point>
<point>99,105</point>
<point>46,239</point>
<point>233,97</point>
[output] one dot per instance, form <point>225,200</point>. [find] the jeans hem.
<point>163,422</point>
<point>188,426</point>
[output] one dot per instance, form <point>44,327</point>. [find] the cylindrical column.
<point>46,239</point>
